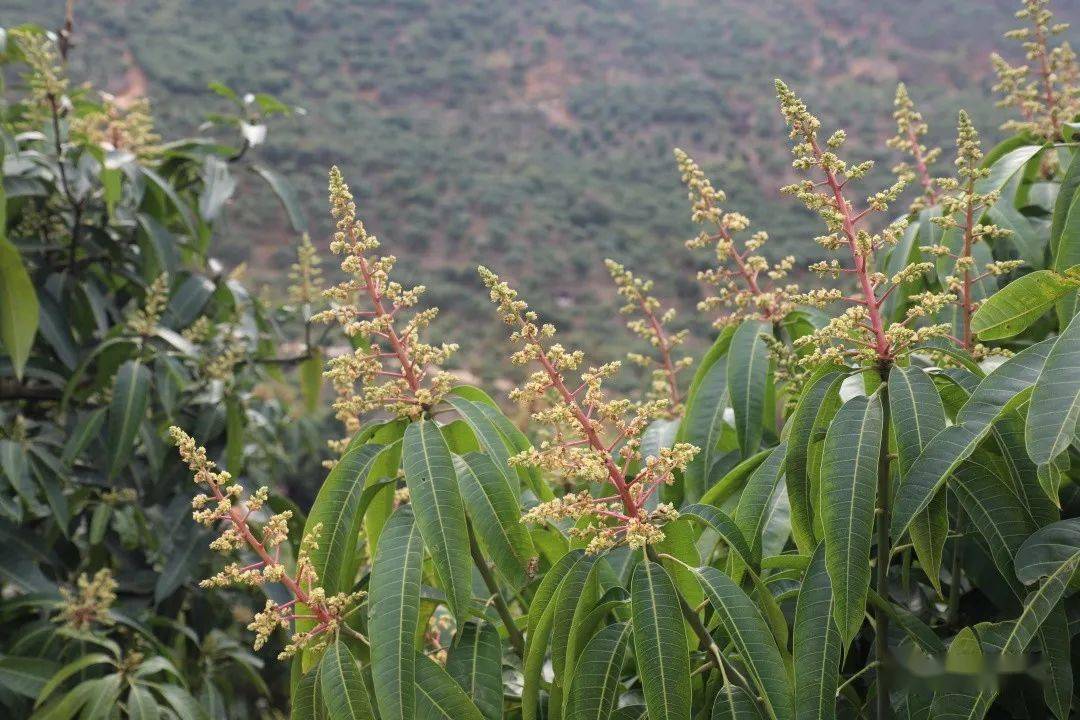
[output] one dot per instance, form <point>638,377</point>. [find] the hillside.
<point>537,136</point>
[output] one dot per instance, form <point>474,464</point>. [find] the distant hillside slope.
<point>537,136</point>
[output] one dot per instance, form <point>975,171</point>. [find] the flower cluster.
<point>741,291</point>
<point>225,505</point>
<point>113,126</point>
<point>961,207</point>
<point>305,274</point>
<point>46,79</point>
<point>910,129</point>
<point>1050,95</point>
<point>89,603</point>
<point>143,321</point>
<point>596,439</point>
<point>416,384</point>
<point>651,327</point>
<point>860,333</point>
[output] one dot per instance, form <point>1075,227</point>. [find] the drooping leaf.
<point>342,686</point>
<point>490,440</point>
<point>594,692</point>
<point>747,383</point>
<point>541,613</point>
<point>127,409</point>
<point>393,614</point>
<point>440,513</point>
<point>817,645</point>
<point>475,663</point>
<point>1055,401</point>
<point>734,703</point>
<point>18,305</point>
<point>996,394</point>
<point>848,494</point>
<point>752,511</point>
<point>1012,309</point>
<point>438,697</point>
<point>752,639</point>
<point>725,527</point>
<point>286,193</point>
<point>141,704</point>
<point>917,415</point>
<point>306,702</point>
<point>823,390</point>
<point>1047,549</point>
<point>702,427</point>
<point>660,643</point>
<point>335,513</point>
<point>25,676</point>
<point>496,516</point>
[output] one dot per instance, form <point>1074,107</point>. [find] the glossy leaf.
<point>1055,401</point>
<point>475,663</point>
<point>342,686</point>
<point>660,643</point>
<point>440,513</point>
<point>747,382</point>
<point>1016,306</point>
<point>18,304</point>
<point>752,639</point>
<point>996,394</point>
<point>595,689</point>
<point>127,409</point>
<point>848,495</point>
<point>817,645</point>
<point>393,614</point>
<point>438,697</point>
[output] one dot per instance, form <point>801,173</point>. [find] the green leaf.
<point>817,646</point>
<point>343,688</point>
<point>734,703</point>
<point>286,193</point>
<point>335,512</point>
<point>490,440</point>
<point>438,697</point>
<point>18,304</point>
<point>702,427</point>
<point>102,699</point>
<point>496,516</point>
<point>1066,248</point>
<point>181,701</point>
<point>1055,401</point>
<point>58,677</point>
<point>752,639</point>
<point>541,613</point>
<point>576,596</point>
<point>440,513</point>
<point>25,676</point>
<point>848,494</point>
<point>660,643</point>
<point>725,527</point>
<point>994,510</point>
<point>1038,606</point>
<point>475,663</point>
<point>141,704</point>
<point>917,416</point>
<point>996,394</point>
<point>752,512</point>
<point>131,397</point>
<point>1047,549</point>
<point>1005,168</point>
<point>306,700</point>
<point>748,381</point>
<point>393,615</point>
<point>818,400</point>
<point>1012,309</point>
<point>595,689</point>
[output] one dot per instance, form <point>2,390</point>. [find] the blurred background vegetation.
<point>537,136</point>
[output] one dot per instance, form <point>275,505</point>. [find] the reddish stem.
<point>664,345</point>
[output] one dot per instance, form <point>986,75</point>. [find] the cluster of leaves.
<point>116,322</point>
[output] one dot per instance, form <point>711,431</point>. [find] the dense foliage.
<point>860,501</point>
